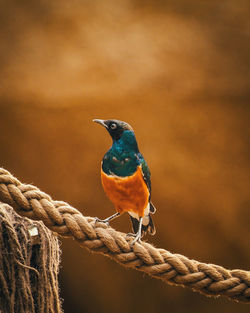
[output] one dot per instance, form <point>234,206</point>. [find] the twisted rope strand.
<point>61,218</point>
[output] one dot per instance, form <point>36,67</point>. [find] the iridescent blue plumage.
<point>122,158</point>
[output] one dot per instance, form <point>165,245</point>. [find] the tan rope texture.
<point>28,268</point>
<point>60,217</point>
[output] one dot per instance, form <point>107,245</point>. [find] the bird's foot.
<point>105,221</point>
<point>130,235</point>
<point>108,219</point>
<point>137,237</point>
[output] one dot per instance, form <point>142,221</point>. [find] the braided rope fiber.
<point>176,269</point>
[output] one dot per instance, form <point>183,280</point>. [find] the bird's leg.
<point>138,235</point>
<point>108,219</point>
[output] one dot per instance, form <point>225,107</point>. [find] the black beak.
<point>102,122</point>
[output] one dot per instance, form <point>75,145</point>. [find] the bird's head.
<point>115,128</point>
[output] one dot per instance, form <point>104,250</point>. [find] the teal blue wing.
<point>146,173</point>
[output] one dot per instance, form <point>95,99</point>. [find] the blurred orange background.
<point>179,73</point>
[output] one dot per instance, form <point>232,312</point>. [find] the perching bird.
<point>126,178</point>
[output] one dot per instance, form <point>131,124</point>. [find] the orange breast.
<point>127,193</point>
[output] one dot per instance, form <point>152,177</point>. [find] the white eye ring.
<point>113,126</point>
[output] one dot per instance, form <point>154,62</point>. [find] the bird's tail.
<point>147,222</point>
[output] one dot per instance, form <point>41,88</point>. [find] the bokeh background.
<point>179,73</point>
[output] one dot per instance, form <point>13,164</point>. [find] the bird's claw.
<point>137,238</point>
<point>130,235</point>
<point>98,220</point>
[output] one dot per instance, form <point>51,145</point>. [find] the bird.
<point>125,178</point>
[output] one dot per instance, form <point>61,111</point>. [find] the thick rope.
<point>60,217</point>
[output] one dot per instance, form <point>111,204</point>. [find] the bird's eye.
<point>113,126</point>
